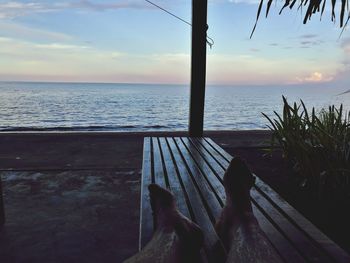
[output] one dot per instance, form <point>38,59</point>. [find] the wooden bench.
<point>193,168</point>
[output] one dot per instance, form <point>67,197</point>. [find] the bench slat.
<point>175,184</point>
<point>158,168</point>
<point>197,163</point>
<point>278,241</point>
<point>216,166</point>
<point>146,218</point>
<point>201,216</point>
<point>303,224</point>
<point>294,235</point>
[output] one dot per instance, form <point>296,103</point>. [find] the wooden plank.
<point>216,184</point>
<point>331,248</point>
<point>146,218</point>
<point>223,153</point>
<point>198,66</point>
<point>159,172</point>
<point>214,165</point>
<point>278,241</point>
<point>212,151</point>
<point>304,245</point>
<point>174,182</point>
<point>211,201</point>
<point>196,202</point>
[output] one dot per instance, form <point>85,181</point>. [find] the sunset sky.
<point>132,41</point>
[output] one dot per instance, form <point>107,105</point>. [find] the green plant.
<point>317,145</point>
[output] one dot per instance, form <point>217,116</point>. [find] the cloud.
<point>315,77</point>
<point>85,4</point>
<point>244,1</point>
<point>14,30</point>
<point>58,46</point>
<point>342,77</point>
<point>13,9</point>
<point>257,69</point>
<point>308,41</point>
<point>345,45</point>
<point>31,61</point>
<point>308,36</point>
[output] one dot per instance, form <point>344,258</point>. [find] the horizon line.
<point>159,84</point>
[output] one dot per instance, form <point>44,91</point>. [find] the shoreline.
<point>98,150</point>
<point>140,133</point>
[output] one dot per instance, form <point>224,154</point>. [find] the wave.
<point>86,128</point>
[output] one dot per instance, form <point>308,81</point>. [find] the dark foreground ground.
<point>74,197</point>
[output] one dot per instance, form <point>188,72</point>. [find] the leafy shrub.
<point>317,145</point>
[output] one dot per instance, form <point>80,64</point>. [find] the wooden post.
<point>198,67</point>
<point>2,210</point>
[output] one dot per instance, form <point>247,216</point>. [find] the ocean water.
<point>28,106</point>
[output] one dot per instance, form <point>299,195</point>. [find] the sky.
<point>131,41</point>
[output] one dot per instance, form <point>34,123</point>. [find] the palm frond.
<point>313,7</point>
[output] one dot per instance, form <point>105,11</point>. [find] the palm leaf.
<point>313,7</point>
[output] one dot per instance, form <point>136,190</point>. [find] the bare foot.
<point>176,238</point>
<point>237,226</point>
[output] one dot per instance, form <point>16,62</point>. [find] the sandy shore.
<point>74,196</point>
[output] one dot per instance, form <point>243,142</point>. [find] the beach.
<point>75,196</point>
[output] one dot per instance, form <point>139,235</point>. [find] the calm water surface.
<point>130,107</point>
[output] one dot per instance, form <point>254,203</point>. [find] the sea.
<point>34,106</point>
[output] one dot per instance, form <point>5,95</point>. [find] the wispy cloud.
<point>85,4</point>
<point>15,30</point>
<point>308,36</point>
<point>345,45</point>
<point>310,40</point>
<point>344,70</point>
<point>58,46</point>
<point>13,9</point>
<point>244,1</point>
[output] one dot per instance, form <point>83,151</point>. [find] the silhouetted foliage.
<point>312,7</point>
<point>317,145</point>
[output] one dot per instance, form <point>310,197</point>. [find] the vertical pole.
<point>198,67</point>
<point>2,210</point>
